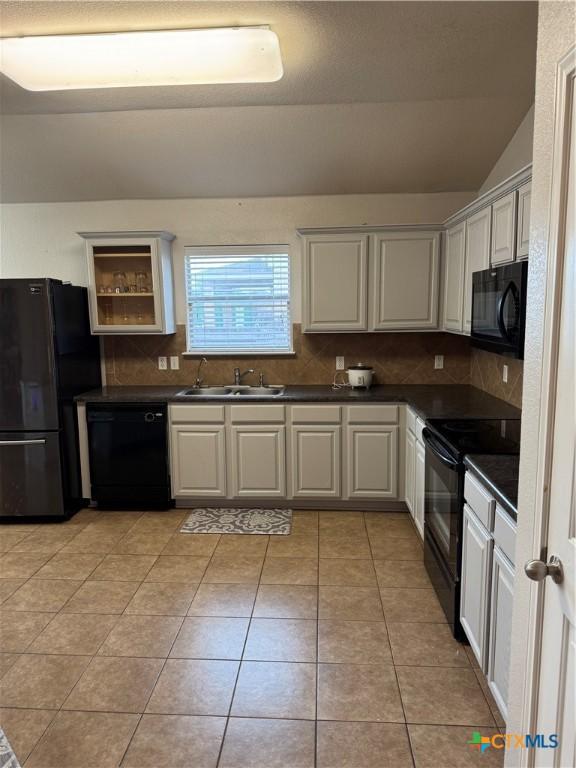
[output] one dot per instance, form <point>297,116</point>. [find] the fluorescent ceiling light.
<point>129,59</point>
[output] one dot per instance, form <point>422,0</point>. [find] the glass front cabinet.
<point>130,282</point>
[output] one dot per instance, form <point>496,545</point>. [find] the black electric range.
<point>447,443</point>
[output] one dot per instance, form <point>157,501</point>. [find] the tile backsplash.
<point>397,358</point>
<point>486,374</point>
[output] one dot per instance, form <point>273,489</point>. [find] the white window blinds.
<point>238,299</point>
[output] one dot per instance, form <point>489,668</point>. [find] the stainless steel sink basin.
<point>233,391</point>
<point>205,392</point>
<point>272,391</point>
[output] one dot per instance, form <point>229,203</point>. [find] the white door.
<point>198,460</point>
<point>501,604</point>
<point>258,460</point>
<point>409,464</point>
<point>316,461</point>
<point>404,277</point>
<point>477,256</point>
<point>556,710</point>
<point>523,228</point>
<point>372,459</point>
<point>503,229</point>
<point>476,565</point>
<point>454,255</point>
<point>420,476</point>
<point>335,283</point>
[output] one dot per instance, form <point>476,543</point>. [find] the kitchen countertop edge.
<point>499,473</point>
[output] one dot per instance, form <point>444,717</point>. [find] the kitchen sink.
<point>233,391</point>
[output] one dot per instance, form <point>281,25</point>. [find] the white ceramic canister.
<point>360,375</point>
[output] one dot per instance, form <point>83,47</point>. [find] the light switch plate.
<point>505,374</point>
<point>162,363</point>
<point>174,362</point>
<point>340,363</point>
<point>438,362</point>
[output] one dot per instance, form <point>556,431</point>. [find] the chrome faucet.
<point>198,381</point>
<point>239,376</point>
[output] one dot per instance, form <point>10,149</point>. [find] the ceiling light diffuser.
<point>131,59</point>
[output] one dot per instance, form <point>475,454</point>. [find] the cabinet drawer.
<point>242,414</point>
<point>410,420</point>
<point>480,500</point>
<point>505,533</point>
<point>373,414</point>
<point>195,414</point>
<point>316,414</point>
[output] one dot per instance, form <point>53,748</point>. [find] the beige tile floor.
<point>126,643</point>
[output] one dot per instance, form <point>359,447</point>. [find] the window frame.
<point>258,249</point>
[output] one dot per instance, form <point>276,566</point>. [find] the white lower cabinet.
<point>316,460</point>
<point>258,460</point>
<point>409,465</point>
<point>488,586</point>
<point>502,598</point>
<point>475,584</point>
<point>198,460</point>
<point>372,454</point>
<point>419,480</point>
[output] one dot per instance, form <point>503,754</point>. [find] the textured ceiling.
<point>376,97</point>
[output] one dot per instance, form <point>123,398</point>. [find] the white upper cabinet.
<point>477,256</point>
<point>404,280</point>
<point>454,263</point>
<point>503,230</point>
<point>335,282</point>
<point>523,229</point>
<point>130,282</point>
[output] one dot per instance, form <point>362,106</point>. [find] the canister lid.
<point>360,367</point>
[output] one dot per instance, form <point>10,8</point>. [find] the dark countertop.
<point>500,476</point>
<point>428,400</point>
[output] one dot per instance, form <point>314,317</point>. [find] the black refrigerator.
<point>47,356</point>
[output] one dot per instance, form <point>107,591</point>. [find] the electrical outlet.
<point>340,363</point>
<point>505,374</point>
<point>162,363</point>
<point>174,362</point>
<point>438,362</point>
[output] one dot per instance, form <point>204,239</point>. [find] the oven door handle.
<point>438,451</point>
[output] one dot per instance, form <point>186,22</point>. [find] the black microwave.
<point>499,309</point>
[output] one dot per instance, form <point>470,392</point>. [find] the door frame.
<point>538,429</point>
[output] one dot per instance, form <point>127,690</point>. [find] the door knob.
<point>537,570</point>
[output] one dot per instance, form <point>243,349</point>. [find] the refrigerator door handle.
<point>22,442</point>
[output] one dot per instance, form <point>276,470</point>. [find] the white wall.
<point>39,240</point>
<point>517,154</point>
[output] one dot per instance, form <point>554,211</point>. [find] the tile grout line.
<point>242,656</point>
<point>407,732</point>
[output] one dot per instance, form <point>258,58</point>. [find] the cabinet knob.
<point>537,570</point>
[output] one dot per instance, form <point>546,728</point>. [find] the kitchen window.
<point>238,300</point>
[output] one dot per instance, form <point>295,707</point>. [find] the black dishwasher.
<point>128,445</point>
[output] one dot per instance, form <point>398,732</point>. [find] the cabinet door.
<point>500,628</point>
<point>477,256</point>
<point>258,460</point>
<point>410,470</point>
<point>198,460</point>
<point>476,562</point>
<point>335,283</point>
<point>420,475</point>
<point>523,229</point>
<point>405,268</point>
<point>454,252</point>
<point>503,229</point>
<point>316,461</point>
<point>372,462</point>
